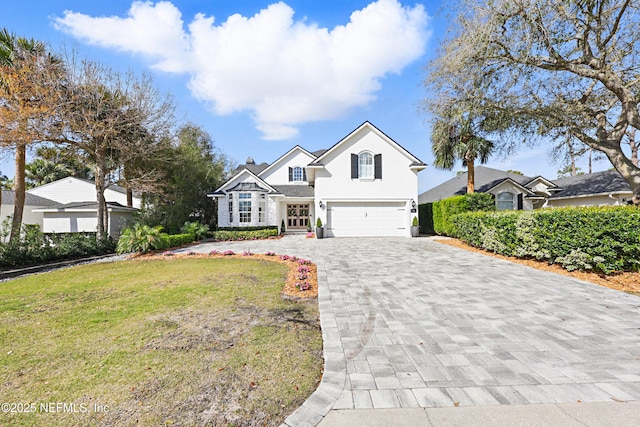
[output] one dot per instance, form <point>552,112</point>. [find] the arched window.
<point>297,174</point>
<point>365,165</point>
<point>505,201</point>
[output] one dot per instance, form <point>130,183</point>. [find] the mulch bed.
<point>624,281</point>
<point>288,292</point>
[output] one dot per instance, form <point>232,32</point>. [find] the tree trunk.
<point>627,169</point>
<point>125,171</point>
<point>19,187</point>
<point>100,215</point>
<point>634,146</point>
<point>471,177</point>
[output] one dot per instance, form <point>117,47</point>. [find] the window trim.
<point>244,207</point>
<point>511,200</point>
<point>262,208</point>
<point>370,166</point>
<point>297,174</point>
<point>230,195</point>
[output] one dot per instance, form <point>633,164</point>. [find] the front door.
<point>297,216</point>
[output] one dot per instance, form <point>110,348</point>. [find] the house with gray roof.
<point>366,184</point>
<point>516,191</point>
<point>69,205</point>
<point>31,202</point>
<point>593,189</point>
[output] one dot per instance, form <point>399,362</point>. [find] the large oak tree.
<point>547,68</point>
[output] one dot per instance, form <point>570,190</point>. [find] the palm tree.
<point>23,64</point>
<point>458,139</point>
<point>40,172</point>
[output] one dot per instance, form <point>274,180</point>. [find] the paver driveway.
<point>414,323</point>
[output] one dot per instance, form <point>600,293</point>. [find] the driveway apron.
<point>411,323</point>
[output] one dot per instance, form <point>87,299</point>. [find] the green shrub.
<point>444,210</point>
<point>141,238</point>
<point>603,239</point>
<point>245,235</point>
<point>253,228</point>
<point>34,248</point>
<point>174,240</point>
<point>196,229</point>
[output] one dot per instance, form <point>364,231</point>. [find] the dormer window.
<point>297,174</point>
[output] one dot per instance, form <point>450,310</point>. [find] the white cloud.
<point>285,72</point>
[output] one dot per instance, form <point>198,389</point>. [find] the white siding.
<point>28,216</point>
<point>600,200</point>
<point>278,173</point>
<point>69,222</point>
<point>399,183</point>
<point>70,190</point>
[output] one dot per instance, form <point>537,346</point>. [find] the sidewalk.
<point>597,414</point>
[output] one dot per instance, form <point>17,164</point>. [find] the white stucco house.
<point>71,190</point>
<point>364,185</point>
<point>75,209</point>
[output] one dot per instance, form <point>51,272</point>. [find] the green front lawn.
<point>162,342</point>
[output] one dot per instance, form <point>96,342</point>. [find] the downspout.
<point>615,199</point>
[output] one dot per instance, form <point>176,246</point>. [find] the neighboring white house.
<point>31,203</point>
<point>82,217</point>
<point>71,190</point>
<point>364,185</point>
<point>516,191</point>
<point>73,206</point>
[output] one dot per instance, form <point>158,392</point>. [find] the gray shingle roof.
<point>90,205</point>
<point>485,179</point>
<point>254,169</point>
<point>295,190</point>
<point>593,183</point>
<point>248,186</point>
<point>8,198</point>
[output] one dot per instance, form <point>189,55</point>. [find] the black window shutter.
<point>304,174</point>
<point>354,166</point>
<point>377,166</point>
<point>520,202</point>
<point>290,174</point>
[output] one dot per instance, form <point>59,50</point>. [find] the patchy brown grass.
<point>624,281</point>
<point>289,290</point>
<point>186,340</point>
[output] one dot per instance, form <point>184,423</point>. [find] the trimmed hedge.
<point>35,248</point>
<point>270,227</point>
<point>444,210</point>
<point>604,239</point>
<point>174,240</point>
<point>263,233</point>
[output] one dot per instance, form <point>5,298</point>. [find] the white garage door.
<point>366,219</point>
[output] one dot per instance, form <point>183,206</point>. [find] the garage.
<point>366,219</point>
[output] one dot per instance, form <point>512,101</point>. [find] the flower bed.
<point>302,278</point>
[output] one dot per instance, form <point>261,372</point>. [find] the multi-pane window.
<point>298,175</point>
<point>365,165</point>
<point>262,208</point>
<point>505,201</point>
<point>244,207</point>
<point>230,208</point>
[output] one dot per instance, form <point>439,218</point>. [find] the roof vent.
<point>250,161</point>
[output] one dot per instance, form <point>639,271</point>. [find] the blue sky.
<point>263,76</point>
